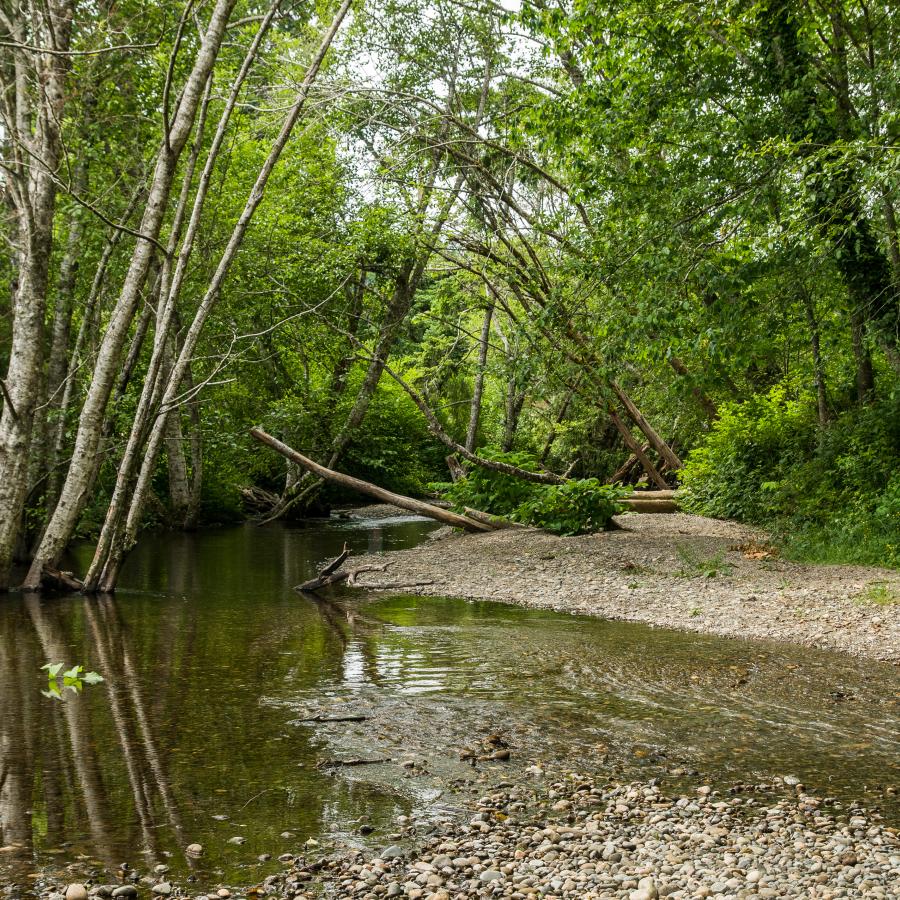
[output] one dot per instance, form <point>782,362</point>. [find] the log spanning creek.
<point>237,714</point>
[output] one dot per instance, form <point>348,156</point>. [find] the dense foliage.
<point>578,506</point>
<point>831,494</point>
<point>600,239</point>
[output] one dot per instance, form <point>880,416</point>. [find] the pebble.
<point>194,849</point>
<point>76,892</point>
<point>566,836</point>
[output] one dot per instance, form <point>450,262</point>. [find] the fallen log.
<point>638,504</point>
<point>334,719</point>
<point>55,580</point>
<point>654,495</point>
<point>495,521</point>
<point>328,574</point>
<point>364,487</point>
<point>636,448</point>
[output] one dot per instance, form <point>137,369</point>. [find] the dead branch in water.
<point>342,763</point>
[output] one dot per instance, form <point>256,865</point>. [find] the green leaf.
<point>52,669</point>
<point>92,678</point>
<point>74,672</point>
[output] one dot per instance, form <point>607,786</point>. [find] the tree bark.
<point>865,374</point>
<point>637,449</point>
<point>115,541</point>
<point>364,487</point>
<point>659,445</point>
<point>478,388</point>
<point>73,495</point>
<point>34,191</point>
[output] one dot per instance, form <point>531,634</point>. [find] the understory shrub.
<point>493,491</point>
<point>574,507</point>
<point>828,494</point>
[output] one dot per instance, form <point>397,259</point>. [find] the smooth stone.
<point>392,852</point>
<point>76,892</point>
<point>490,875</point>
<point>163,889</point>
<point>237,839</point>
<point>126,890</point>
<point>194,849</point>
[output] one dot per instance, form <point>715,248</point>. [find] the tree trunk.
<point>90,429</point>
<point>515,399</point>
<point>364,487</point>
<point>116,540</point>
<point>34,192</point>
<point>865,375</point>
<point>558,420</point>
<point>478,388</point>
<point>637,449</point>
<point>659,445</point>
<point>179,489</point>
<point>818,365</point>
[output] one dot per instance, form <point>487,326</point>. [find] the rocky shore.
<point>565,835</point>
<point>673,570</point>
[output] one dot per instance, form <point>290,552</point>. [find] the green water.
<point>212,662</point>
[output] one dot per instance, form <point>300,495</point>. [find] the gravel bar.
<point>672,570</point>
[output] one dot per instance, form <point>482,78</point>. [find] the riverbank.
<point>555,833</point>
<point>673,570</point>
<point>570,836</point>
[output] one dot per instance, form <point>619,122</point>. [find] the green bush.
<point>493,491</point>
<point>828,494</point>
<point>574,507</point>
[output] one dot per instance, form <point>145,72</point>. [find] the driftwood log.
<point>651,502</point>
<point>364,487</point>
<point>488,519</point>
<point>328,574</point>
<point>55,580</point>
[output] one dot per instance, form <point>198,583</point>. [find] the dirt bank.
<point>676,570</point>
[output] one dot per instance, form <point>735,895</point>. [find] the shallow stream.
<point>214,668</point>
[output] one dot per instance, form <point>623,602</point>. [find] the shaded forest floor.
<point>675,571</point>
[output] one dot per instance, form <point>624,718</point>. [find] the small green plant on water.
<point>74,679</point>
<point>696,611</point>
<point>880,593</point>
<point>693,564</point>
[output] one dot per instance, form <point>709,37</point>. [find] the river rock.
<point>76,892</point>
<point>163,889</point>
<point>126,890</point>
<point>194,849</point>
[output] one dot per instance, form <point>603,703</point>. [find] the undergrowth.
<point>827,495</point>
<point>579,506</point>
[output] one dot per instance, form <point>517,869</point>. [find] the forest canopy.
<point>600,242</point>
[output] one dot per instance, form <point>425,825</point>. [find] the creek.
<point>229,702</point>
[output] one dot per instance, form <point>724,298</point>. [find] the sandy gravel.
<point>651,570</point>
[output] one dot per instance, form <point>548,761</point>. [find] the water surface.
<point>214,668</point>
